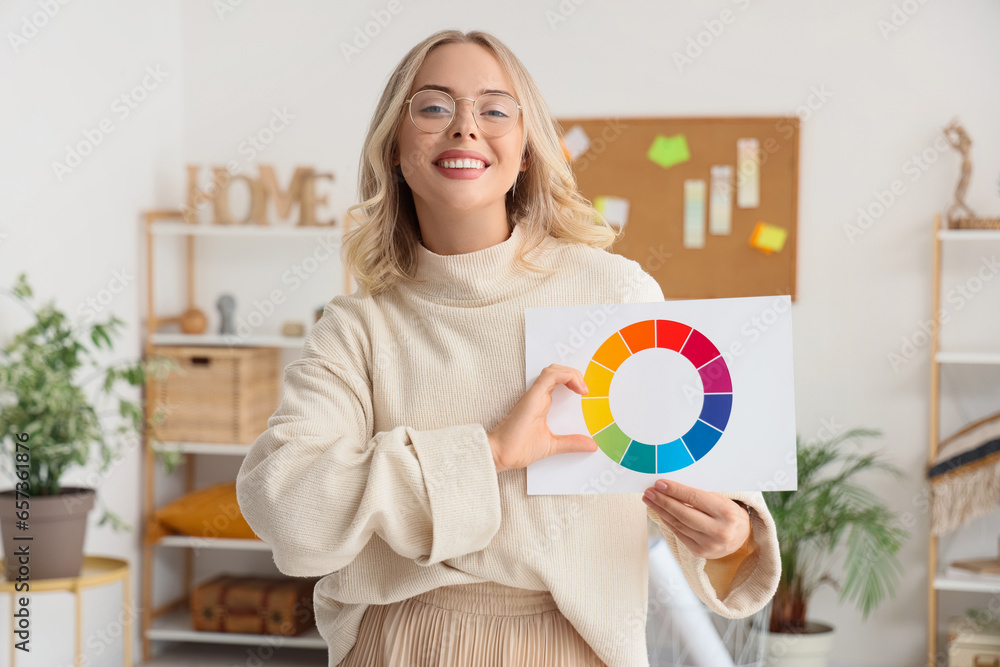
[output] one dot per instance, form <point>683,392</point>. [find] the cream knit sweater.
<point>376,471</point>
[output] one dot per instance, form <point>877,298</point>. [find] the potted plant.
<point>829,509</point>
<point>48,426</point>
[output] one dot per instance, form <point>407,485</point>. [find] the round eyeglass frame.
<point>454,110</point>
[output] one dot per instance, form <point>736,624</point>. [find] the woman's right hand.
<point>523,436</point>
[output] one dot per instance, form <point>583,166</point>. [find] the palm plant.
<point>828,508</point>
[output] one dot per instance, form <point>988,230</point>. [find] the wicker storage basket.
<point>254,605</point>
<point>220,394</point>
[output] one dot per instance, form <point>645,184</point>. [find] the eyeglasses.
<point>434,110</point>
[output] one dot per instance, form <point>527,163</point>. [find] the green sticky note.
<point>668,151</point>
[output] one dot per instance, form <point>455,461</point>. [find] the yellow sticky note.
<point>768,238</point>
<point>668,151</point>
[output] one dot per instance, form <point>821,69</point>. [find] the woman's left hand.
<point>709,524</point>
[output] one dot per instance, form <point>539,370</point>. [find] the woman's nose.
<point>464,121</point>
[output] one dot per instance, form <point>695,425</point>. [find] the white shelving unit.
<point>950,580</point>
<point>172,621</point>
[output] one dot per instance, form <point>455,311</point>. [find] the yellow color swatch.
<point>596,413</point>
<point>598,380</point>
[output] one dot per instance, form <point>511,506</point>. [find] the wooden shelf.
<point>227,341</point>
<point>176,626</point>
<point>969,234</point>
<point>203,448</point>
<point>162,228</point>
<point>967,357</point>
<point>952,579</point>
<point>187,542</point>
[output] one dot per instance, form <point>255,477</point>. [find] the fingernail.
<point>661,485</point>
<point>649,495</point>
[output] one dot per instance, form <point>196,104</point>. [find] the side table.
<point>96,571</point>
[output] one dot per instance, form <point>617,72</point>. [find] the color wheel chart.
<point>704,433</point>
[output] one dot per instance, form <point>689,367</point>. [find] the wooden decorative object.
<point>283,200</point>
<point>302,189</point>
<point>195,196</point>
<point>223,214</point>
<point>959,215</point>
<point>193,321</point>
<point>309,200</point>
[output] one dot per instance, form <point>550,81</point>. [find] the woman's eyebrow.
<point>434,86</point>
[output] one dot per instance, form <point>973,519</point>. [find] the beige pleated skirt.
<point>483,624</point>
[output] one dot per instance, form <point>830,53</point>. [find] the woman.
<point>395,464</point>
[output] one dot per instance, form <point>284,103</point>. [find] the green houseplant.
<point>48,426</point>
<point>830,509</point>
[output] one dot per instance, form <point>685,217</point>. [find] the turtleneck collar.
<point>472,278</point>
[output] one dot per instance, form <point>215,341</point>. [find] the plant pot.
<point>810,648</point>
<point>57,526</point>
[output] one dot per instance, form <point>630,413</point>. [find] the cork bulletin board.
<point>618,166</point>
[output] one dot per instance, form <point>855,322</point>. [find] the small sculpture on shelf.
<point>959,215</point>
<point>227,307</point>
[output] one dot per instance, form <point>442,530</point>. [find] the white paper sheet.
<point>700,391</point>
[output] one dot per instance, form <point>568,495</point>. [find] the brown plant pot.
<point>57,526</point>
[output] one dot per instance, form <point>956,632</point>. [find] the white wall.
<point>887,96</point>
<point>73,234</point>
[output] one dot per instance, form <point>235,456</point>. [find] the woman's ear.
<point>525,161</point>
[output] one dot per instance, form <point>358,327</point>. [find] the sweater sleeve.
<point>319,482</point>
<point>755,579</point>
<point>747,578</point>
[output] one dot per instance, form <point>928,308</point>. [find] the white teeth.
<point>462,164</point>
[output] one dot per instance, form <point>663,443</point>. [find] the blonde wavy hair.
<point>380,249</point>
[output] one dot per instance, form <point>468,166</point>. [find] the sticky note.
<point>576,141</point>
<point>614,209</point>
<point>768,238</point>
<point>747,173</point>
<point>668,151</point>
<point>694,214</point>
<point>720,203</point>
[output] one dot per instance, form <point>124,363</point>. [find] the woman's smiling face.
<point>464,70</point>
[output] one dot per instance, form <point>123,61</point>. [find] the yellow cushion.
<point>209,512</point>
